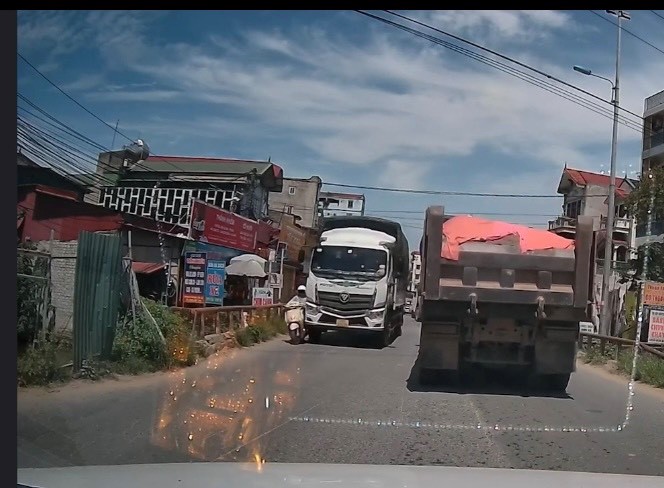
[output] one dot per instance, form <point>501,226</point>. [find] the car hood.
<point>272,475</point>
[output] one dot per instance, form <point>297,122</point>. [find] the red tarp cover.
<point>462,228</point>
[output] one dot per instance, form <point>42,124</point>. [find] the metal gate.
<point>99,277</point>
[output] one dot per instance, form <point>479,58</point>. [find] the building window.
<point>289,209</point>
<point>350,203</point>
<point>291,190</point>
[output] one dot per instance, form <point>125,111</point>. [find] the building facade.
<point>415,271</point>
<point>163,187</point>
<point>331,204</point>
<point>586,193</point>
<point>653,132</point>
<point>652,157</point>
<point>298,197</point>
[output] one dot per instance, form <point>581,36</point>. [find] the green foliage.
<point>639,202</point>
<point>593,356</point>
<point>261,330</point>
<point>139,346</point>
<point>37,366</point>
<point>649,369</point>
<point>28,297</point>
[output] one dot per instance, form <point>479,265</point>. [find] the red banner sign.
<point>222,228</point>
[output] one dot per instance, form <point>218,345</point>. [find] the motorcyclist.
<point>299,300</point>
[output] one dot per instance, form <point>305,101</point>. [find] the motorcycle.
<point>295,322</point>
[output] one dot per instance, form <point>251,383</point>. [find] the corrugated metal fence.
<point>97,300</point>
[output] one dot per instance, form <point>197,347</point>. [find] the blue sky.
<point>339,95</point>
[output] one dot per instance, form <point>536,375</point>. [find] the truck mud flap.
<point>555,350</point>
<point>439,346</point>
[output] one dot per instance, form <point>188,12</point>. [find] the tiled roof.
<point>583,178</point>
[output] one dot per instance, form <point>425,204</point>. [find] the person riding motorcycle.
<point>299,301</point>
<point>300,298</point>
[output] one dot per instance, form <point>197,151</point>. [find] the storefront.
<point>218,236</point>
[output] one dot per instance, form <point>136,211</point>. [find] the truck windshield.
<point>354,260</point>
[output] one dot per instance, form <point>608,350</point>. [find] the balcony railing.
<point>654,140</point>
<point>621,266</point>
<point>562,222</point>
<point>619,224</point>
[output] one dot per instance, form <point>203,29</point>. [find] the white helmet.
<point>302,288</point>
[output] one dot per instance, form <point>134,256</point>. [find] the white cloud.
<point>365,104</point>
<point>402,174</point>
<point>398,106</point>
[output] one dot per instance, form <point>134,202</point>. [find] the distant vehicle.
<point>357,278</point>
<point>494,305</point>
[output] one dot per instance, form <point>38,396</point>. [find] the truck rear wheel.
<point>558,382</point>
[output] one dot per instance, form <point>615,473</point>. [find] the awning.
<point>146,268</point>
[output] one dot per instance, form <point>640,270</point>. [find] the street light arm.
<point>604,78</point>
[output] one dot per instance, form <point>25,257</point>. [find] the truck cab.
<point>356,280</point>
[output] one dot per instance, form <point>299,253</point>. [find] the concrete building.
<point>415,271</point>
<point>331,204</point>
<point>585,193</point>
<point>298,197</point>
<point>162,187</point>
<point>652,156</point>
<point>653,132</point>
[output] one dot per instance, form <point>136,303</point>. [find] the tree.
<point>639,202</point>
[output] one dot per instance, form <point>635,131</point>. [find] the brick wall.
<point>63,276</point>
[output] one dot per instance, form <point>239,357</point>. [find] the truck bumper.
<point>329,320</point>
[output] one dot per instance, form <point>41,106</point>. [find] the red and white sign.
<point>223,228</point>
<point>261,296</point>
<point>653,294</point>
<point>656,326</point>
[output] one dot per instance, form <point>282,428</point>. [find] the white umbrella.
<point>248,258</point>
<point>252,269</point>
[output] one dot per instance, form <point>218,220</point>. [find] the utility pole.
<point>605,316</point>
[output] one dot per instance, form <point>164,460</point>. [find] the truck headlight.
<point>376,314</point>
<point>311,309</point>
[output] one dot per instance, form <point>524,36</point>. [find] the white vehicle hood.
<point>274,475</point>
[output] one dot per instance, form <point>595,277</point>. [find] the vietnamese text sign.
<point>261,296</point>
<point>221,227</point>
<point>653,294</point>
<point>214,282</point>
<point>194,278</point>
<point>656,326</point>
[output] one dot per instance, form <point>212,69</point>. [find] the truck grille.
<point>355,302</point>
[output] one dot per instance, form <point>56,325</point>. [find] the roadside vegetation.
<point>138,347</point>
<point>649,369</point>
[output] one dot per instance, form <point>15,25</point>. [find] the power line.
<point>491,51</point>
<point>658,15</point>
<point>450,193</point>
<point>627,31</point>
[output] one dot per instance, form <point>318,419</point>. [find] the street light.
<point>608,242</point>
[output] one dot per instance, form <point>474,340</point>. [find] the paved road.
<point>340,401</point>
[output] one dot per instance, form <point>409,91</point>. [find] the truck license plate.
<point>342,322</point>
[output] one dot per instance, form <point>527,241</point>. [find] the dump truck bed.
<point>500,272</point>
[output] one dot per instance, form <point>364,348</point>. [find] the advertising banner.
<point>653,294</point>
<point>261,296</point>
<point>194,278</point>
<point>214,282</point>
<point>223,228</point>
<point>656,326</point>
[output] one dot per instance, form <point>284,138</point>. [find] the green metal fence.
<point>99,278</point>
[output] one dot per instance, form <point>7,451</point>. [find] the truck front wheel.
<point>314,336</point>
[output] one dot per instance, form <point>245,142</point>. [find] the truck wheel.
<point>428,376</point>
<point>314,336</point>
<point>558,382</point>
<point>385,337</point>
